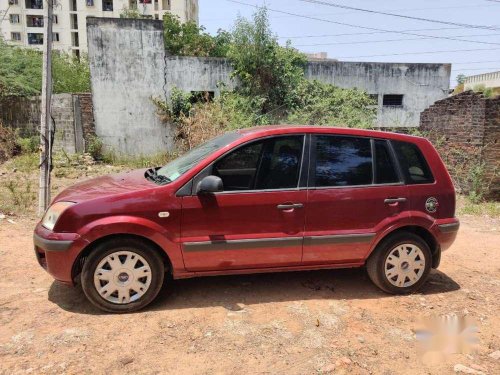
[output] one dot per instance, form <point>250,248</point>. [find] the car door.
<point>258,220</point>
<point>355,188</point>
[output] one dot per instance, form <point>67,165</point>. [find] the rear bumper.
<point>445,231</point>
<point>57,252</point>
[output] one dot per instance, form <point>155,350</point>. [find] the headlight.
<point>52,215</point>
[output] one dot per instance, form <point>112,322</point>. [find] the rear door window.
<point>385,167</point>
<point>342,161</point>
<point>413,164</point>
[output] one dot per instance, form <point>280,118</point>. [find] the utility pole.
<point>46,117</point>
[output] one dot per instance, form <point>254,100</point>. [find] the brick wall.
<point>72,113</point>
<point>465,130</point>
<point>87,115</point>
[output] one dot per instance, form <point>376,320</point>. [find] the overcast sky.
<point>315,35</point>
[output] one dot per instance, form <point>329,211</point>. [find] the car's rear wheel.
<point>122,275</point>
<point>400,264</point>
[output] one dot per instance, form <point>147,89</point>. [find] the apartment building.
<point>21,21</point>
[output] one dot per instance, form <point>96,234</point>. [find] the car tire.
<point>122,275</point>
<point>395,272</point>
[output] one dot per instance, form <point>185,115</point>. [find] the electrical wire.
<point>365,33</point>
<point>420,53</point>
<point>398,15</point>
<point>363,27</point>
<point>381,41</point>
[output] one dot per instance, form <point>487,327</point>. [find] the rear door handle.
<point>290,206</point>
<point>394,200</point>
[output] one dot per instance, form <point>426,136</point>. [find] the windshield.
<point>177,167</point>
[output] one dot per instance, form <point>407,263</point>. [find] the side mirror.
<point>210,184</point>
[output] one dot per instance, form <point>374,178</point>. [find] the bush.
<point>28,145</point>
<point>94,147</point>
<point>323,104</point>
<point>7,143</point>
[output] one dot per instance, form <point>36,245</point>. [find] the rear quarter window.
<point>413,164</point>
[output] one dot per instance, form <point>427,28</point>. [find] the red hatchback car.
<point>266,199</point>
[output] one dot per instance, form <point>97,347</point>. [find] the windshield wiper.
<point>152,175</point>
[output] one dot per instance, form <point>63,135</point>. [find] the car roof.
<point>267,130</point>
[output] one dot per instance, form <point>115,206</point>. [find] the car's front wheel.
<point>400,264</point>
<point>122,275</point>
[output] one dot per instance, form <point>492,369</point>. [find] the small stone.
<point>346,360</point>
<point>14,170</point>
<point>361,339</point>
<point>479,368</point>
<point>495,355</point>
<point>327,369</point>
<point>126,360</point>
<point>459,368</point>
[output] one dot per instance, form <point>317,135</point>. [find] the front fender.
<point>138,226</point>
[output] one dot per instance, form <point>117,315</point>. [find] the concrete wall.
<point>72,114</point>
<point>127,65</point>
<point>199,74</point>
<point>420,84</point>
<point>465,128</point>
<point>487,79</point>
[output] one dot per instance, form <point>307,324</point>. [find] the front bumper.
<point>57,252</point>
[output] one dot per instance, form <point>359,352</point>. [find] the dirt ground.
<point>293,323</point>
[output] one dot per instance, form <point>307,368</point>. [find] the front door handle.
<point>289,206</point>
<point>394,200</point>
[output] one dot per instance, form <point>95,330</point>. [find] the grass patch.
<point>25,162</point>
<point>146,161</point>
<point>465,206</point>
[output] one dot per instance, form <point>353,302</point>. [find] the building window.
<point>34,4</point>
<point>74,21</point>
<point>35,38</point>
<point>75,40</point>
<point>90,3</point>
<point>14,18</point>
<point>55,37</point>
<point>55,19</point>
<point>15,37</point>
<point>13,2</point>
<point>34,21</point>
<point>107,5</point>
<point>165,4</point>
<point>393,100</point>
<point>72,6</point>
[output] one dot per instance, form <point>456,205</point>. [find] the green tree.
<point>461,79</point>
<point>189,39</point>
<point>21,72</point>
<point>263,67</point>
<point>131,13</point>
